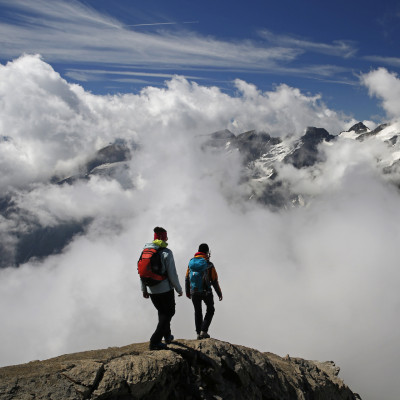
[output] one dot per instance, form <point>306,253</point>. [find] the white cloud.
<point>34,100</point>
<point>385,86</point>
<point>53,126</point>
<point>317,282</point>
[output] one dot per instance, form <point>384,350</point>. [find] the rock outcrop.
<point>190,369</point>
<point>307,154</point>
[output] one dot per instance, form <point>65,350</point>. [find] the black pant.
<point>165,305</point>
<point>208,298</point>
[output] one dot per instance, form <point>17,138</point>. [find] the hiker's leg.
<point>209,301</point>
<point>170,312</point>
<point>198,312</point>
<point>157,335</point>
<point>165,305</point>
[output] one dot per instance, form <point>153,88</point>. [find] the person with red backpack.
<point>200,276</point>
<point>156,268</point>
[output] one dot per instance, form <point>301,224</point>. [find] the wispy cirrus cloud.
<point>88,74</point>
<point>62,31</point>
<point>164,23</point>
<point>391,61</point>
<point>71,32</point>
<point>316,71</point>
<point>339,48</point>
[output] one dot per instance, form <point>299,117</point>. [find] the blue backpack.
<point>198,274</point>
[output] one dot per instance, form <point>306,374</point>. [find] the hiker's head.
<point>160,233</point>
<point>203,248</point>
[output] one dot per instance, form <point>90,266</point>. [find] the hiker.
<point>159,285</point>
<point>200,276</point>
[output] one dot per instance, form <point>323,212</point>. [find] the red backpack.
<point>150,267</point>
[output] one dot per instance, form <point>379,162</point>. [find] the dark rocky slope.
<point>190,369</point>
<point>29,239</point>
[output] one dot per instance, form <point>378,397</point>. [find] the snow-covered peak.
<point>389,131</point>
<point>355,131</point>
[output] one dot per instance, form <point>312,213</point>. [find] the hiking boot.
<point>204,335</point>
<point>158,346</point>
<point>169,339</point>
<point>198,336</point>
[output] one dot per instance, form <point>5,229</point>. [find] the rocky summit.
<point>189,369</point>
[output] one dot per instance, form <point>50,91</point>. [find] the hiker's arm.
<point>144,290</point>
<point>171,272</point>
<point>217,290</point>
<point>187,284</point>
<point>214,282</point>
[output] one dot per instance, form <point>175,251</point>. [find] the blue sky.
<point>123,46</point>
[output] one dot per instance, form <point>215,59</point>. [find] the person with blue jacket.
<point>201,275</point>
<point>162,294</point>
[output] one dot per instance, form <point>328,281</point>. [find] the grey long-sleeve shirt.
<point>168,263</point>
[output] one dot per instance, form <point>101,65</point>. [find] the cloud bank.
<point>317,282</point>
<point>386,87</point>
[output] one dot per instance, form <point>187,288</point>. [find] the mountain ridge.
<point>263,157</point>
<point>189,369</point>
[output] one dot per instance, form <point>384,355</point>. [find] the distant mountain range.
<point>263,154</point>
<point>262,157</point>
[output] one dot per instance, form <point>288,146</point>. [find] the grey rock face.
<point>114,154</point>
<point>190,369</point>
<point>359,128</point>
<point>251,144</point>
<point>307,153</point>
<point>254,145</point>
